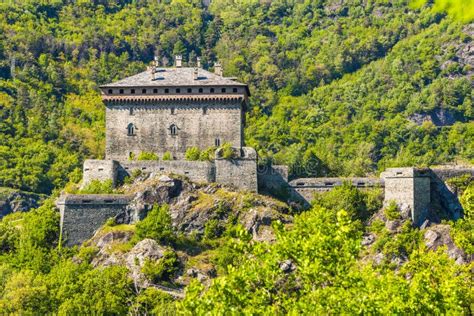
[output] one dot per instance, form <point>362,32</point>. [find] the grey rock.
<point>287,266</point>
<point>368,240</point>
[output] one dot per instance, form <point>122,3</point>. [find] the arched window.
<point>217,142</point>
<point>173,129</point>
<point>131,129</point>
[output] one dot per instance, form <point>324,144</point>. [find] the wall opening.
<point>173,130</point>
<point>131,129</point>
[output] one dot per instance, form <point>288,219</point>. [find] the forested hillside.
<point>338,88</point>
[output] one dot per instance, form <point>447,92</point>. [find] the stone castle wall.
<point>83,214</point>
<point>102,170</point>
<point>240,172</point>
<point>198,124</point>
<point>304,189</point>
<point>197,171</point>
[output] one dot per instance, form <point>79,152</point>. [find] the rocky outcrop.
<point>12,201</point>
<point>439,236</point>
<point>193,206</point>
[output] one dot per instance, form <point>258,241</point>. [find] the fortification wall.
<point>82,214</point>
<point>197,171</point>
<point>303,189</point>
<point>94,169</point>
<point>273,179</point>
<point>451,172</point>
<point>240,172</point>
<point>198,124</point>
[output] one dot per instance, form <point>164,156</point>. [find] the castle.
<point>166,111</point>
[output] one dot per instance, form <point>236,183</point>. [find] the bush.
<point>391,211</point>
<point>167,156</point>
<point>163,269</point>
<point>208,155</point>
<point>156,225</point>
<point>212,229</point>
<point>227,151</point>
<point>192,154</point>
<point>145,155</point>
<point>347,197</point>
<point>98,187</point>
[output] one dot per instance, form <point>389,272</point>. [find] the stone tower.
<point>410,187</point>
<point>172,109</point>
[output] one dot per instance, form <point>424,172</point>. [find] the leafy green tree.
<point>156,225</point>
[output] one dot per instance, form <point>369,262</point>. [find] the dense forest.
<point>338,88</point>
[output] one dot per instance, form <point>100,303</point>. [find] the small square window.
<point>190,90</point>
<point>223,90</point>
<point>121,91</point>
<point>155,90</point>
<point>111,91</point>
<point>167,90</point>
<point>132,91</point>
<point>212,90</point>
<point>178,90</point>
<point>144,91</point>
<point>234,90</point>
<point>200,90</point>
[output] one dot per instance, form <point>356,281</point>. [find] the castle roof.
<point>172,77</point>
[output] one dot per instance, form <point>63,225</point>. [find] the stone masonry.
<point>173,109</point>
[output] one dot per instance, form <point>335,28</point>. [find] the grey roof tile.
<point>174,77</point>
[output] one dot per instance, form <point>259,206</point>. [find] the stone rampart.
<point>83,214</point>
<point>273,179</point>
<point>239,171</point>
<point>197,171</point>
<point>94,169</point>
<point>303,189</point>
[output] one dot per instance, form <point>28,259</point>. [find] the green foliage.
<point>208,154</point>
<point>98,187</point>
<point>461,10</point>
<point>462,230</point>
<point>360,204</point>
<point>144,155</point>
<point>212,229</point>
<point>167,156</point>
<point>156,225</point>
<point>460,183</point>
<point>192,154</point>
<point>391,211</point>
<point>227,151</point>
<point>162,269</point>
<point>154,302</point>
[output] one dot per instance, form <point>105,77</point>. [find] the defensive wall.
<point>83,214</point>
<point>424,191</point>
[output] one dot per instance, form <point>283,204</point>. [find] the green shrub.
<point>391,211</point>
<point>208,154</point>
<point>347,197</point>
<point>167,156</point>
<point>156,225</point>
<point>162,269</point>
<point>227,151</point>
<point>98,187</point>
<point>145,155</point>
<point>192,154</point>
<point>212,229</point>
<point>135,174</point>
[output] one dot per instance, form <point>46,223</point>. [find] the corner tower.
<point>172,109</point>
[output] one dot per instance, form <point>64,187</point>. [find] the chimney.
<point>195,73</point>
<point>178,61</point>
<point>153,66</point>
<point>218,69</point>
<point>198,62</point>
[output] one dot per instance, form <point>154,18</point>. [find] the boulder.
<point>438,236</point>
